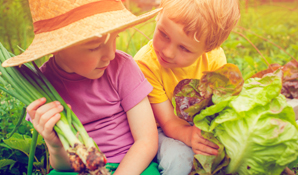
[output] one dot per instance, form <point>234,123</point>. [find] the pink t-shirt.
<point>101,104</point>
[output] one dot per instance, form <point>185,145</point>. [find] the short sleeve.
<point>132,86</point>
<point>28,118</point>
<point>148,63</point>
<point>158,94</point>
<point>217,59</point>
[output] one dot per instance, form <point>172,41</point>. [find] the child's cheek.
<point>157,43</point>
<point>87,67</point>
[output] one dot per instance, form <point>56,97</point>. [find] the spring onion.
<point>29,84</point>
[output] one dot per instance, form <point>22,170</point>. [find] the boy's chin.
<point>162,63</point>
<point>166,65</point>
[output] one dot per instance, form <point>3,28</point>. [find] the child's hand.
<point>44,117</point>
<point>200,145</point>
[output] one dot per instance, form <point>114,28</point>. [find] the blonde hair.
<point>209,19</point>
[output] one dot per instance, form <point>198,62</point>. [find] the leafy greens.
<point>255,129</point>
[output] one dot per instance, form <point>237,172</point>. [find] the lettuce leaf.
<point>192,95</point>
<point>290,77</point>
<point>205,165</point>
<point>256,127</point>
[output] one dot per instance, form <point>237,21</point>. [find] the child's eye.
<point>184,49</point>
<point>95,49</point>
<point>163,35</point>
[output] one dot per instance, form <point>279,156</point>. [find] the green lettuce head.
<point>257,127</point>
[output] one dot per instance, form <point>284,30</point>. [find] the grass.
<point>263,26</point>
<point>266,34</point>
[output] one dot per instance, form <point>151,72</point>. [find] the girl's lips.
<point>102,68</point>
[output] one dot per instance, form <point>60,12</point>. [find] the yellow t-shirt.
<point>164,80</point>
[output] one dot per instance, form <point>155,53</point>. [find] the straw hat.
<point>62,23</point>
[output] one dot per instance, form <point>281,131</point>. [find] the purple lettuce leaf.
<point>192,95</point>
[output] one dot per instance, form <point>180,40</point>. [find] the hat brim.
<point>85,29</point>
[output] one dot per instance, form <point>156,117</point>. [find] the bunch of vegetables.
<point>250,121</point>
<point>29,84</point>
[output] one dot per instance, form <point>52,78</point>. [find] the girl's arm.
<point>179,129</point>
<point>44,117</point>
<point>144,132</point>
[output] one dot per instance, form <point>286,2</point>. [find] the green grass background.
<point>266,31</point>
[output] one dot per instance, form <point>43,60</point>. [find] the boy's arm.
<point>44,117</point>
<point>179,129</point>
<point>144,132</point>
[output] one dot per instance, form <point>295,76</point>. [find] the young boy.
<point>186,43</point>
<point>104,86</point>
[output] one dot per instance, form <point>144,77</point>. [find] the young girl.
<point>104,86</point>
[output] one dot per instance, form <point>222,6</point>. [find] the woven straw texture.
<point>47,9</point>
<point>85,29</point>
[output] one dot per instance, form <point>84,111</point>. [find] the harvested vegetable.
<point>192,95</point>
<point>255,129</point>
<point>29,84</point>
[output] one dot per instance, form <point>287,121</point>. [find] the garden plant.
<point>265,35</point>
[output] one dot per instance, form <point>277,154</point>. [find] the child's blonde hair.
<point>210,19</point>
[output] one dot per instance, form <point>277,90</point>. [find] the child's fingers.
<point>49,114</point>
<point>202,153</point>
<point>201,145</point>
<point>208,143</point>
<point>44,117</point>
<point>47,122</point>
<point>43,109</point>
<point>52,121</point>
<point>198,138</point>
<point>43,113</point>
<point>49,126</point>
<point>207,150</point>
<point>32,107</point>
<point>48,133</point>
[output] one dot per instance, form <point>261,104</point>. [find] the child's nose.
<point>109,53</point>
<point>108,56</point>
<point>169,51</point>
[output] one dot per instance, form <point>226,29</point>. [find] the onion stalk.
<point>29,84</point>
